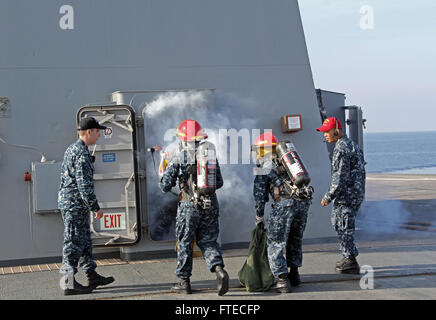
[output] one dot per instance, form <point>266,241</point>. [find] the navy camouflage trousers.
<point>77,244</point>
<point>203,224</point>
<point>343,220</point>
<point>285,228</point>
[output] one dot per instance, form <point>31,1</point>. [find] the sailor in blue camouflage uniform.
<point>347,190</point>
<point>288,217</point>
<point>76,199</point>
<point>193,219</point>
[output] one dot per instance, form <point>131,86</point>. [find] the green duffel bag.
<point>255,275</point>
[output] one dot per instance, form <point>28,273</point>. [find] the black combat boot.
<point>294,277</point>
<point>76,288</point>
<point>349,265</point>
<point>95,280</point>
<point>283,285</point>
<point>223,280</point>
<point>184,286</point>
<point>340,262</point>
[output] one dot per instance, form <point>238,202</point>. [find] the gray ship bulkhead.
<point>252,50</point>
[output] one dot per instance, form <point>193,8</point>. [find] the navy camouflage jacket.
<point>178,169</point>
<point>76,192</point>
<point>348,174</point>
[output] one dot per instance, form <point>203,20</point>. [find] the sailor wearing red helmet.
<point>288,217</point>
<point>196,215</point>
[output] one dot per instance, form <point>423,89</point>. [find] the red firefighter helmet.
<point>264,144</point>
<point>266,139</point>
<point>190,130</point>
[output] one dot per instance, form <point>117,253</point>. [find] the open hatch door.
<point>115,176</point>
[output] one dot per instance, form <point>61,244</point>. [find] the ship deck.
<point>396,238</point>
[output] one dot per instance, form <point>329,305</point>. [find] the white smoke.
<point>382,217</point>
<point>174,102</point>
<point>217,113</point>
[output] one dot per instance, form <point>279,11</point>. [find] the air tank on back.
<point>206,168</point>
<point>288,156</point>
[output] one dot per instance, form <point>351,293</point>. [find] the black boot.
<point>76,288</point>
<point>340,262</point>
<point>95,280</point>
<point>184,286</point>
<point>283,285</point>
<point>349,265</point>
<point>223,280</point>
<point>294,277</point>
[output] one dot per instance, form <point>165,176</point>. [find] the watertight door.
<point>115,176</point>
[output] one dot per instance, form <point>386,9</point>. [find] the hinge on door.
<point>139,122</point>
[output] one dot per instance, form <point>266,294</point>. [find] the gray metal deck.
<point>402,253</point>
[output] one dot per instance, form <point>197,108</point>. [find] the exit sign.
<point>113,221</point>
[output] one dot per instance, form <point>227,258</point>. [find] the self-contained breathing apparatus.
<point>202,170</point>
<point>202,164</point>
<point>290,167</point>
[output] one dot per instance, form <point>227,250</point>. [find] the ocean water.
<point>400,152</point>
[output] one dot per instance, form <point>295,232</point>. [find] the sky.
<point>385,64</point>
